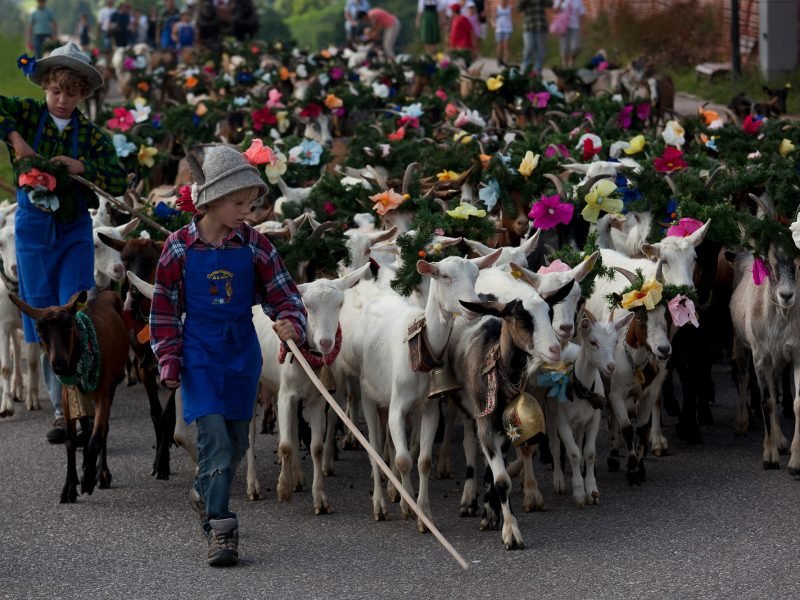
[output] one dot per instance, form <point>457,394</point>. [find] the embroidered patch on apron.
<point>220,286</point>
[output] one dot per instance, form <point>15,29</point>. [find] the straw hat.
<point>225,170</point>
<point>71,57</point>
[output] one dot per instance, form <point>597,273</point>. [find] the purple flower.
<point>760,271</point>
<point>643,111</point>
<point>336,73</point>
<point>27,64</point>
<point>625,117</point>
<point>553,149</point>
<point>539,99</point>
<point>129,64</point>
<point>550,211</point>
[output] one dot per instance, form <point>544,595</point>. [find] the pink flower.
<point>274,99</point>
<point>412,122</point>
<point>555,267</point>
<point>602,66</point>
<point>336,73</point>
<point>752,125</point>
<point>129,63</point>
<point>539,99</point>
<point>625,117</point>
<point>258,153</point>
<point>671,160</point>
<point>441,95</point>
<point>643,111</point>
<point>329,208</point>
<point>397,135</point>
<point>553,149</point>
<point>760,271</point>
<point>550,211</point>
<point>123,119</point>
<point>684,228</point>
<point>185,202</point>
<point>451,110</point>
<point>682,310</point>
<point>439,231</point>
<point>36,178</point>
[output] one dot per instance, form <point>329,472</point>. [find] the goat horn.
<point>627,274</point>
<point>589,183</point>
<point>319,231</point>
<point>767,210</point>
<point>278,233</point>
<point>731,115</point>
<point>660,271</point>
<point>713,175</point>
<point>408,176</point>
<point>671,184</point>
<point>556,113</point>
<point>559,185</point>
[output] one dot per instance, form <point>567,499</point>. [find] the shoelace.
<point>224,541</point>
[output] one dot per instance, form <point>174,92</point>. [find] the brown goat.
<point>58,330</point>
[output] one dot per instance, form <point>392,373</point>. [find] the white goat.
<point>108,265</point>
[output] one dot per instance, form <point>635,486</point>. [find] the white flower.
<point>381,90</point>
<point>673,134</point>
<point>301,71</point>
<point>597,143</point>
<point>617,148</point>
<point>237,61</point>
<point>276,169</point>
<point>240,101</point>
<point>413,111</point>
<point>469,117</point>
<point>795,228</point>
<point>140,112</point>
<point>715,124</point>
<point>617,98</point>
<point>385,149</point>
<point>324,79</point>
<point>141,62</point>
<point>351,182</point>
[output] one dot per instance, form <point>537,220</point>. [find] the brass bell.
<point>523,418</point>
<point>441,381</point>
<point>326,377</point>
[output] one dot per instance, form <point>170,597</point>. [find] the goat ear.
<point>302,288</point>
<point>111,242</point>
<point>478,248</point>
<point>382,236</point>
<point>141,285</point>
<point>587,314</point>
<point>487,261</point>
<point>623,321</point>
<point>495,309</point>
<point>128,227</point>
<point>446,242</point>
<point>698,235</point>
<point>77,299</point>
<point>426,268</point>
<point>531,243</point>
<point>582,270</point>
<point>351,279</point>
<point>651,251</point>
<point>532,279</point>
<point>33,313</point>
<point>556,296</point>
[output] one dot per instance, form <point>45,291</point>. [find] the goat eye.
<point>593,344</point>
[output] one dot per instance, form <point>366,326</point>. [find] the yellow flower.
<point>332,101</point>
<point>785,147</point>
<point>447,176</point>
<point>528,164</point>
<point>648,296</point>
<point>283,120</point>
<point>386,201</point>
<point>147,155</point>
<point>459,135</point>
<point>494,83</point>
<point>467,139</point>
<point>636,145</point>
<point>598,199</point>
<point>464,211</point>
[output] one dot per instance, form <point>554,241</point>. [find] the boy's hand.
<point>171,384</point>
<point>285,330</point>
<point>75,166</point>
<point>21,148</point>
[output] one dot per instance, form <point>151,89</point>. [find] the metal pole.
<point>736,59</point>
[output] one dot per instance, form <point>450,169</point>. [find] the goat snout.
<point>664,351</point>
<point>555,350</point>
<point>14,270</point>
<point>787,296</point>
<point>326,345</point>
<point>565,330</point>
<point>611,367</point>
<point>59,366</point>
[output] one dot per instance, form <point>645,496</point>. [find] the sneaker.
<point>197,503</point>
<point>58,434</point>
<point>223,542</point>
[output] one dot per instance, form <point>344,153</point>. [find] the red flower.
<point>412,122</point>
<point>262,117</point>
<point>329,208</point>
<point>398,135</point>
<point>36,178</point>
<point>311,110</point>
<point>589,149</point>
<point>752,125</point>
<point>671,160</point>
<point>258,153</point>
<point>184,201</point>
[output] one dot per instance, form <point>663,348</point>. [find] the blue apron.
<point>54,259</point>
<point>221,353</point>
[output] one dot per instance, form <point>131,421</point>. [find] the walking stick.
<point>374,455</point>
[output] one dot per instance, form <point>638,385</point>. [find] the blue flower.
<point>621,181</point>
<point>308,152</point>
<point>553,89</point>
<point>412,110</point>
<point>490,194</point>
<point>26,64</point>
<point>245,77</point>
<point>195,120</point>
<point>165,212</point>
<point>240,101</point>
<point>123,146</point>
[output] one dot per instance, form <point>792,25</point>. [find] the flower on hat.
<point>555,267</point>
<point>643,111</point>
<point>636,145</point>
<point>201,109</point>
<point>599,199</point>
<point>711,118</point>
<point>36,178</point>
<point>648,296</point>
<point>760,271</point>
<point>27,64</point>
<point>555,149</point>
<point>185,200</point>
<point>494,83</point>
<point>283,120</point>
<point>147,155</point>
<point>273,170</point>
<point>539,99</point>
<point>386,201</point>
<point>684,228</point>
<point>464,211</point>
<point>549,211</point>
<point>122,145</point>
<point>786,147</point>
<point>308,152</point>
<point>122,121</point>
<point>625,117</point>
<point>682,310</point>
<point>528,164</point>
<point>671,160</point>
<point>413,111</point>
<point>447,176</point>
<point>333,101</point>
<point>441,94</point>
<point>450,110</point>
<point>380,90</point>
<point>485,160</point>
<point>673,134</point>
<point>258,153</point>
<point>311,110</point>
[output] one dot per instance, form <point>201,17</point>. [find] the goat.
<point>108,265</point>
<point>59,331</point>
<point>522,330</point>
<point>766,321</point>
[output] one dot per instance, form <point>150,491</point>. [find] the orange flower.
<point>192,81</point>
<point>325,53</point>
<point>386,201</point>
<point>143,86</point>
<point>451,110</point>
<point>284,73</point>
<point>332,101</point>
<point>35,177</point>
<point>422,254</point>
<point>709,116</point>
<point>485,158</point>
<point>398,135</point>
<point>259,154</point>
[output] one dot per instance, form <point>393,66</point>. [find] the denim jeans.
<point>221,444</point>
<point>52,383</point>
<point>534,50</point>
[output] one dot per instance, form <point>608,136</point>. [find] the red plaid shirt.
<point>274,291</point>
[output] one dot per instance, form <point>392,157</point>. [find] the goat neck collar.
<point>499,379</point>
<point>87,374</point>
<point>583,392</point>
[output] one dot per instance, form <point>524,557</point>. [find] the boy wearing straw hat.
<point>55,249</point>
<point>214,270</point>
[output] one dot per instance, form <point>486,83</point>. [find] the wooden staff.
<point>374,455</point>
<point>129,209</point>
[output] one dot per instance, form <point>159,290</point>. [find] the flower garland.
<point>51,188</point>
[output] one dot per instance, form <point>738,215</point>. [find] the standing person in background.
<point>104,34</point>
<point>352,8</point>
<point>120,25</point>
<point>41,27</point>
<point>462,35</point>
<point>82,32</point>
<point>429,22</point>
<point>474,20</point>
<point>169,16</point>
<point>183,31</point>
<point>382,23</point>
<point>141,22</point>
<point>569,43</point>
<point>534,33</point>
<point>152,27</point>
<point>502,25</point>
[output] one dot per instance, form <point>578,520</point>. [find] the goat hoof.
<point>104,480</point>
<point>659,452</point>
<point>593,498</point>
<point>794,471</point>
<point>69,495</point>
<point>515,545</point>
<point>323,509</point>
<point>771,465</point>
<point>783,450</point>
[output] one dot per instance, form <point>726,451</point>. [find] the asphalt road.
<point>708,523</point>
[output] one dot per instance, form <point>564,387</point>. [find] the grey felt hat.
<point>226,170</point>
<point>71,57</point>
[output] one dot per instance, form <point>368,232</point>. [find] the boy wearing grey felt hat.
<point>214,270</point>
